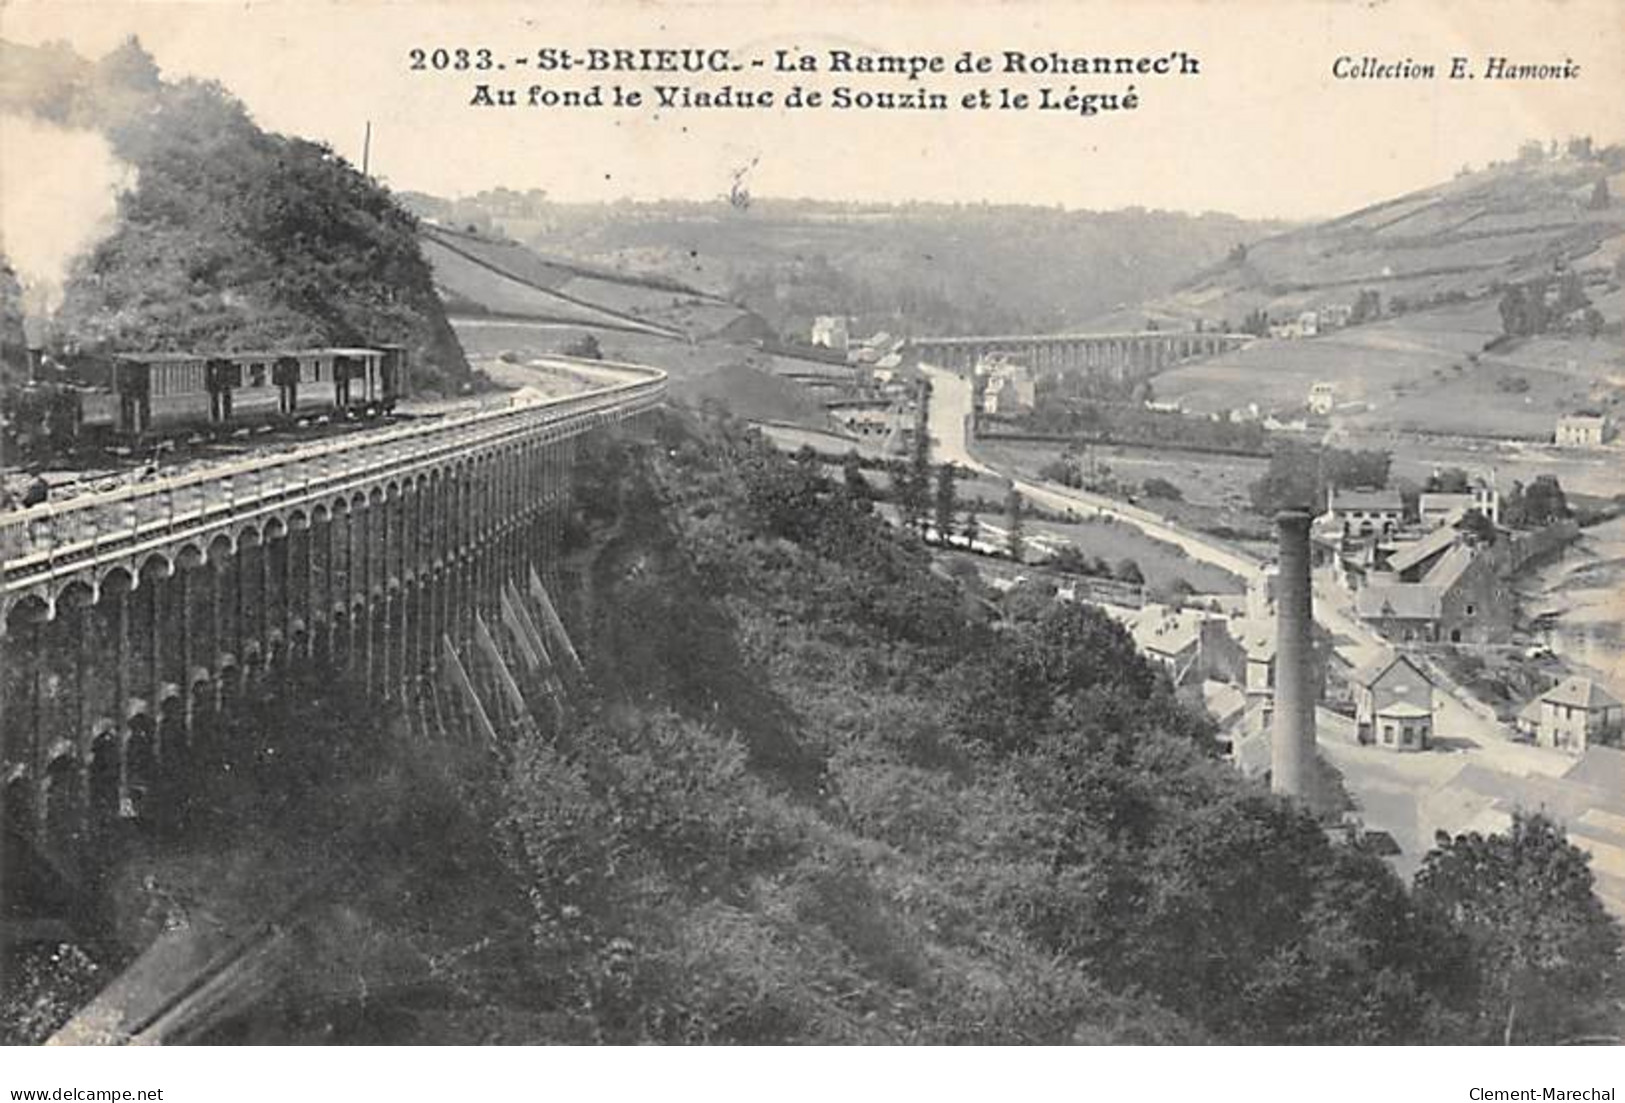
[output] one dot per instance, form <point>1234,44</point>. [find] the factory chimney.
<point>1292,751</point>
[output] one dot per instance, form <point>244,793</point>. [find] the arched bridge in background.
<point>1118,357</point>
<point>137,624</point>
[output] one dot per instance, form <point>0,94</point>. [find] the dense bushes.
<point>1012,835</point>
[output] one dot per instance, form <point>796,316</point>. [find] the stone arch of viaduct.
<point>132,624</point>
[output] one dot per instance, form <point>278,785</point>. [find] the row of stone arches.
<point>81,794</point>
<point>124,679</point>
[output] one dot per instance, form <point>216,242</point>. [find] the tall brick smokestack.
<point>1292,751</point>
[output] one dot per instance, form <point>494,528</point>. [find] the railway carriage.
<point>156,394</point>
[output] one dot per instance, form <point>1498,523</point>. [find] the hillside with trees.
<point>841,804</point>
<point>1533,217</point>
<point>227,237</point>
<point>1487,305</point>
<point>811,793</point>
<point>810,790</point>
<point>918,268</point>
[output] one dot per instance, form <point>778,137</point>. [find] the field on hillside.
<point>1214,486</point>
<point>1162,564</point>
<point>1599,472</point>
<point>478,274</point>
<point>1496,399</point>
<point>1500,225</point>
<point>936,268</point>
<point>1424,372</point>
<point>1366,363</point>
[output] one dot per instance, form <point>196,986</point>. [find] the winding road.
<point>1486,740</point>
<point>950,412</point>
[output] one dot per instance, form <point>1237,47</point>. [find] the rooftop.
<point>1448,570</point>
<point>1401,600</point>
<point>1451,506</point>
<point>1581,693</point>
<point>1588,801</point>
<point>1404,710</point>
<point>1430,545</point>
<point>1256,637</point>
<point>1167,631</point>
<point>1225,703</point>
<point>1375,669</point>
<point>1366,499</point>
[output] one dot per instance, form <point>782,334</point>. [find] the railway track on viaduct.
<point>139,626</point>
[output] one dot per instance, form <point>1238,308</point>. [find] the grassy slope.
<point>753,394</point>
<point>480,273</point>
<point>933,268</point>
<point>1463,238</point>
<point>1506,223</point>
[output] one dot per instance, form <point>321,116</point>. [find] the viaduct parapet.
<point>136,624</point>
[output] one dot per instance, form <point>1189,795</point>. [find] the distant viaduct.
<point>1119,357</point>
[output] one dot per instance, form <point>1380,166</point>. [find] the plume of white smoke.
<point>59,192</point>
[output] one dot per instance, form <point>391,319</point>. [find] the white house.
<point>1366,512</point>
<point>1573,715</point>
<point>1584,430</point>
<point>830,331</point>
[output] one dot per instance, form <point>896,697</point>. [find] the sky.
<point>1263,131</point>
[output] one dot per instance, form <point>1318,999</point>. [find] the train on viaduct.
<point>137,625</point>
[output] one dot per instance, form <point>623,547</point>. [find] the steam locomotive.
<point>138,397</point>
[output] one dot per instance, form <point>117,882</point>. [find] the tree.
<point>1546,950</point>
<point>1292,481</point>
<point>1063,471</point>
<point>1478,526</point>
<point>1523,310</point>
<point>945,502</point>
<point>1344,467</point>
<point>969,526</point>
<point>586,347</point>
<point>1600,199</point>
<point>1161,488</point>
<point>1367,307</point>
<point>1448,480</point>
<point>1539,503</point>
<point>1069,560</point>
<point>1129,571</point>
<point>1571,295</point>
<point>917,483</point>
<point>1012,508</point>
<point>857,488</point>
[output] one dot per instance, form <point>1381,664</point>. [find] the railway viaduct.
<point>138,625</point>
<point>1120,357</point>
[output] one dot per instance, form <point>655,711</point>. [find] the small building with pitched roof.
<point>1366,512</point>
<point>1393,704</point>
<point>1573,715</point>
